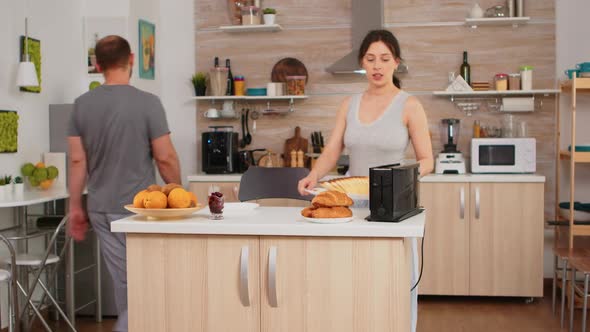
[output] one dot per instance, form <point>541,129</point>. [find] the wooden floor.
<point>453,314</point>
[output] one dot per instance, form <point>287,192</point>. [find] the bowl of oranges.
<point>169,201</point>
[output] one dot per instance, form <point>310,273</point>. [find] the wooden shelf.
<point>580,157</point>
<point>298,97</point>
<point>583,230</point>
<point>581,83</point>
<point>493,93</point>
<point>496,21</point>
<point>251,28</point>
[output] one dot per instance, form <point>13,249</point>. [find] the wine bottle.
<point>230,91</point>
<point>216,62</point>
<point>465,70</point>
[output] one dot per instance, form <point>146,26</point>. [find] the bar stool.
<point>563,254</point>
<point>10,278</point>
<point>37,263</point>
<point>579,264</point>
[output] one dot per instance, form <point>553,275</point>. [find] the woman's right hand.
<point>309,182</point>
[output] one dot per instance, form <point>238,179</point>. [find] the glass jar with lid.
<point>250,15</point>
<point>296,85</point>
<point>501,82</point>
<point>514,81</point>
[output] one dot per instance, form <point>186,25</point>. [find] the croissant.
<point>308,211</point>
<point>331,212</point>
<point>331,198</point>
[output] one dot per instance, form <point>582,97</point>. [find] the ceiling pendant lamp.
<point>26,75</point>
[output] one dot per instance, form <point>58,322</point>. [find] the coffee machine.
<point>219,150</point>
<point>450,160</point>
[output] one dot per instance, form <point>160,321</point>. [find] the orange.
<point>138,199</point>
<point>45,184</point>
<point>168,188</point>
<point>155,200</point>
<point>154,187</point>
<point>40,165</point>
<point>193,199</point>
<point>179,199</point>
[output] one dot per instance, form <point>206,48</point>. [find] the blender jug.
<point>450,134</point>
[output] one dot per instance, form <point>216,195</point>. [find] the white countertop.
<point>272,221</point>
<point>427,178</point>
<point>235,177</point>
<point>30,197</point>
<point>483,178</point>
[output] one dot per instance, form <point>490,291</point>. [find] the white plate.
<point>239,206</point>
<point>315,191</point>
<point>356,197</point>
<point>329,220</point>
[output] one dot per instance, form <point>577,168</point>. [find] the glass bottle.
<point>230,91</point>
<point>465,70</point>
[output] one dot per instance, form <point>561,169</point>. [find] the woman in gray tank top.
<point>377,125</point>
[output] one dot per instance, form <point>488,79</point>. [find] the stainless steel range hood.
<point>366,16</point>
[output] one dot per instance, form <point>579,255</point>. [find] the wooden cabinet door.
<point>320,284</point>
<point>446,246</point>
<point>506,231</point>
<point>193,283</point>
<point>229,190</point>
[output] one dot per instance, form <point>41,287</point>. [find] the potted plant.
<point>269,15</point>
<point>3,188</point>
<point>199,81</point>
<point>19,186</point>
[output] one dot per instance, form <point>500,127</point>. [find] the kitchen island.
<point>267,269</point>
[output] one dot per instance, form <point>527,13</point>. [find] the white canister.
<point>271,89</point>
<point>526,78</point>
<point>275,89</point>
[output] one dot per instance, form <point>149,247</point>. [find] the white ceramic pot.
<point>19,189</point>
<point>4,192</point>
<point>269,19</point>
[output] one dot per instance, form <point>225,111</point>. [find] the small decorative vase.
<point>269,19</point>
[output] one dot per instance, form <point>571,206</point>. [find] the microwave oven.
<point>503,155</point>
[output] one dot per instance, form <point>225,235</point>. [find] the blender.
<point>450,160</point>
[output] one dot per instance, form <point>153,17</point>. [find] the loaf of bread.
<point>331,198</point>
<point>357,185</point>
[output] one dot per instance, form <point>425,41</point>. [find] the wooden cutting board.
<point>295,143</point>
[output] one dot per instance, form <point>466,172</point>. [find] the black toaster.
<point>393,192</point>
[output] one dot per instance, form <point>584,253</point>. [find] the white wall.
<point>177,49</point>
<point>58,24</point>
<point>572,47</point>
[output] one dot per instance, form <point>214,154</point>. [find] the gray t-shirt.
<point>117,124</point>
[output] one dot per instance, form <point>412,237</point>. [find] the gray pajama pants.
<point>114,251</point>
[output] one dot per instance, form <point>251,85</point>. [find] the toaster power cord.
<point>421,260</point>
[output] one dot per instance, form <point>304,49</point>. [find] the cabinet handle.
<point>244,269</point>
<point>462,203</point>
<point>476,202</point>
<point>272,277</point>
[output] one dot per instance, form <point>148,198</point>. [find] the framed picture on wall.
<point>96,28</point>
<point>8,131</point>
<point>147,50</point>
<point>35,56</point>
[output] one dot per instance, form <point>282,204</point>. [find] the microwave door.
<point>497,155</point>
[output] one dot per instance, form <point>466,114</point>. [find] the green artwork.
<point>35,56</point>
<point>8,131</point>
<point>147,50</point>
